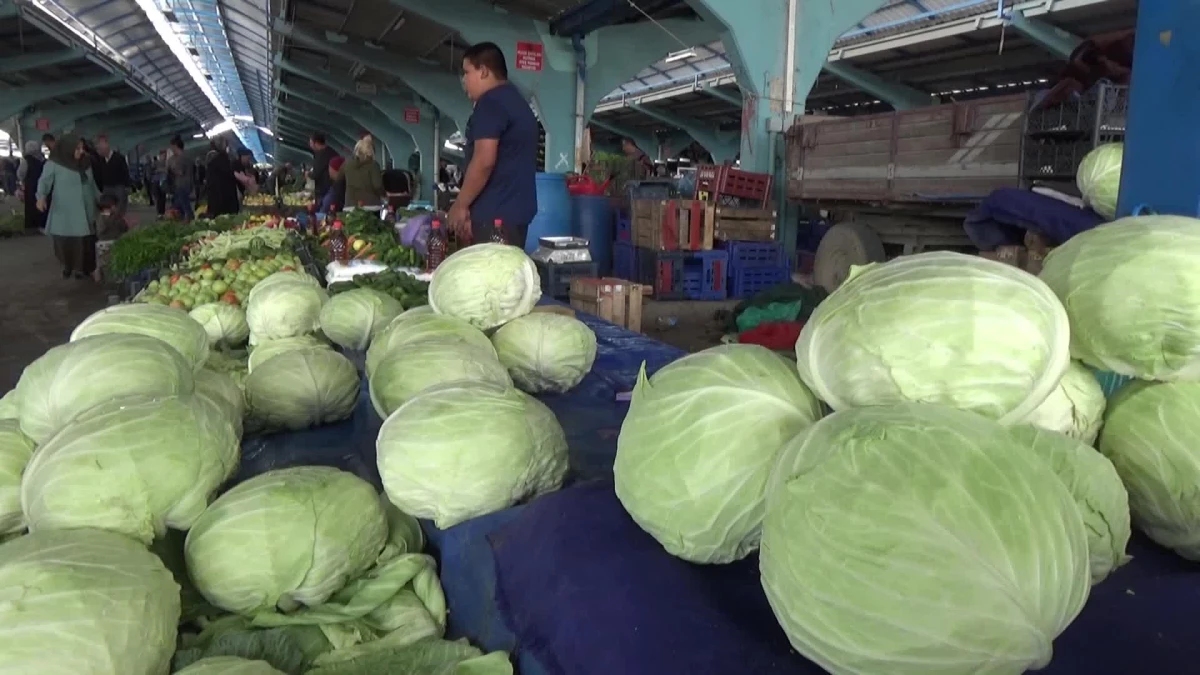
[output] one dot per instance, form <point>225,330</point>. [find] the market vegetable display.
<point>921,540</point>
<point>513,444</point>
<point>405,288</point>
<point>373,239</point>
<point>263,351</point>
<point>283,310</point>
<point>1075,407</point>
<point>1130,289</point>
<point>546,352</point>
<point>151,246</point>
<point>699,443</point>
<point>170,325</point>
<point>224,323</point>
<point>939,327</point>
<point>485,285</point>
<point>15,451</point>
<point>405,373</point>
<point>85,602</point>
<point>1099,178</point>
<point>135,467</point>
<point>352,319</point>
<point>1147,435</point>
<point>229,665</point>
<point>413,327</point>
<point>302,388</point>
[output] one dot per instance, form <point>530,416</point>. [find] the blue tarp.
<point>1003,218</point>
<point>589,592</point>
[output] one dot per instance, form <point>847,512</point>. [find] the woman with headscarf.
<point>29,173</point>
<point>221,186</point>
<point>70,217</point>
<point>361,176</point>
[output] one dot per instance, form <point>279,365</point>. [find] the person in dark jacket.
<point>112,175</point>
<point>336,194</point>
<point>34,162</point>
<point>221,186</point>
<point>322,154</point>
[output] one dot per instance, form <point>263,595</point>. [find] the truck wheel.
<point>845,244</point>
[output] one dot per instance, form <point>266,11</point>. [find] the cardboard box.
<point>672,224</point>
<point>615,300</point>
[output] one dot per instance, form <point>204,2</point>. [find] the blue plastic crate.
<point>684,275</point>
<point>751,280</point>
<point>1110,383</point>
<point>624,228</point>
<point>625,262</point>
<point>556,277</point>
<point>744,254</point>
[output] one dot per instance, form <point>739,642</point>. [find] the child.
<point>109,227</point>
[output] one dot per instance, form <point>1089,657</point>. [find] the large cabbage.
<point>73,378</point>
<point>15,451</point>
<point>286,539</point>
<point>1132,291</point>
<point>283,278</point>
<point>85,602</point>
<point>136,468</point>
<point>300,389</point>
<point>221,390</point>
<point>1149,436</point>
<point>229,665</point>
<point>1097,489</point>
<point>225,324</point>
<point>1075,407</point>
<point>172,326</point>
<point>698,445</point>
<point>465,449</point>
<point>546,352</point>
<point>352,319</point>
<point>263,351</point>
<point>284,309</point>
<point>1099,178</point>
<point>920,540</point>
<point>409,328</point>
<point>485,285</point>
<point>939,327</point>
<point>9,408</point>
<point>406,372</point>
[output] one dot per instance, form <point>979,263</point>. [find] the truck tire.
<point>844,245</point>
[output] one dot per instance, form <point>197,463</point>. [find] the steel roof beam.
<point>15,99</point>
<point>899,96</point>
<point>1055,40</point>
<point>17,64</point>
<point>723,145</point>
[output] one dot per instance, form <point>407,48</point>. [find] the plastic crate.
<point>635,189</point>
<point>1097,113</point>
<point>743,254</point>
<point>1053,161</point>
<point>733,187</point>
<point>1110,383</point>
<point>684,275</point>
<point>624,228</point>
<point>748,281</point>
<point>625,262</point>
<point>556,277</point>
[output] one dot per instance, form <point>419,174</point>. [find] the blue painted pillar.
<point>1162,142</point>
<point>755,38</point>
<point>611,57</point>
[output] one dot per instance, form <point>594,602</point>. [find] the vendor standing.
<point>501,152</point>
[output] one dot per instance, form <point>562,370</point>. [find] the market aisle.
<point>38,308</point>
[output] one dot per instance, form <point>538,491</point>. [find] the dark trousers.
<point>160,199</point>
<point>76,254</point>
<point>514,234</point>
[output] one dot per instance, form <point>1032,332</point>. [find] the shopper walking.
<point>364,180</point>
<point>180,171</point>
<point>322,155</point>
<point>221,186</point>
<point>68,175</point>
<point>112,176</point>
<point>159,182</point>
<point>29,173</point>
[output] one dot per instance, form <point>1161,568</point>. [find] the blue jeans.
<point>183,203</point>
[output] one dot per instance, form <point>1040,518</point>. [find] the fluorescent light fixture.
<point>267,131</point>
<point>198,136</point>
<point>680,55</point>
<point>243,118</point>
<point>451,146</point>
<point>227,125</point>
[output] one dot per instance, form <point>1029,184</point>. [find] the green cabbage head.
<point>85,601</point>
<point>1097,490</point>
<point>485,285</point>
<point>263,351</point>
<point>466,449</point>
<point>1099,178</point>
<point>9,408</point>
<point>546,352</point>
<point>286,539</point>
<point>409,370</point>
<point>302,388</point>
<point>228,665</point>
<point>410,328</point>
<point>1075,407</point>
<point>352,319</point>
<point>221,390</point>
<point>15,451</point>
<point>172,326</point>
<point>135,468</point>
<point>283,278</point>
<point>699,443</point>
<point>225,324</point>
<point>1130,289</point>
<point>1147,435</point>
<point>940,327</point>
<point>284,309</point>
<point>74,378</point>
<point>918,539</point>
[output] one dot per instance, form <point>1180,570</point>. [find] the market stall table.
<point>571,586</point>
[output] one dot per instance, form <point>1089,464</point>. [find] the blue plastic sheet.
<point>1003,218</point>
<point>590,593</point>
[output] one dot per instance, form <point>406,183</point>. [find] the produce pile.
<point>262,199</point>
<point>12,222</point>
<point>373,239</point>
<point>153,246</point>
<point>972,484</point>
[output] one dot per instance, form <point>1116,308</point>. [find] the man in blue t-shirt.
<point>501,152</point>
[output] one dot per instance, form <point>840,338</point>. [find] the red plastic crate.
<point>722,183</point>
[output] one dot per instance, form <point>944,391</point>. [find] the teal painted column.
<point>673,144</point>
<point>612,56</point>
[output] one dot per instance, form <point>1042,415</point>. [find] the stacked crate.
<point>726,186</point>
<point>755,266</point>
<point>670,249</point>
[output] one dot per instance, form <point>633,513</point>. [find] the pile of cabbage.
<point>114,452</point>
<point>937,481</point>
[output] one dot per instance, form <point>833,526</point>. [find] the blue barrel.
<point>553,217</point>
<point>592,219</point>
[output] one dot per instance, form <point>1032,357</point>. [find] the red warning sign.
<point>530,56</point>
<point>412,115</point>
